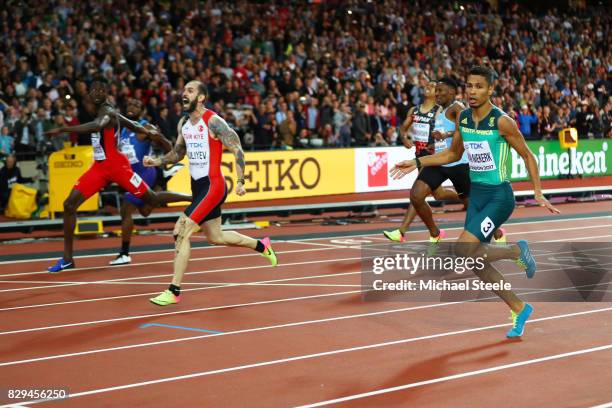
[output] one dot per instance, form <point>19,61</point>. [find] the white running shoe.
<point>121,260</point>
<point>173,170</point>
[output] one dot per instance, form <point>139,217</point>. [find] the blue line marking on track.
<point>144,326</point>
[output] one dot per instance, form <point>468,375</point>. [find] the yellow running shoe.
<point>432,247</point>
<point>440,237</point>
<point>269,252</point>
<point>165,298</point>
<point>395,235</point>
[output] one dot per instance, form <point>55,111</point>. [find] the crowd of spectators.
<point>290,74</point>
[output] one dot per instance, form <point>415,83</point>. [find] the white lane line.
<point>266,302</point>
<point>606,405</point>
<point>559,229</point>
<point>300,241</point>
<point>97,299</point>
<point>207,258</point>
<point>185,290</point>
<point>318,244</point>
<point>293,324</point>
<point>180,311</point>
<point>262,283</point>
<point>457,376</point>
<point>241,268</point>
<point>578,239</point>
<point>251,330</point>
<point>110,268</point>
<point>330,353</point>
<point>109,254</point>
<point>309,239</point>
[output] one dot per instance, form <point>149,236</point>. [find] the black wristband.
<point>418,163</point>
<point>241,181</point>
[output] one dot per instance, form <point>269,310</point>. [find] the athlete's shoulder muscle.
<point>454,110</point>
<point>107,116</point>
<point>179,130</point>
<point>507,125</point>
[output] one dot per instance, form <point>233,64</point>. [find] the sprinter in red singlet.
<point>110,165</point>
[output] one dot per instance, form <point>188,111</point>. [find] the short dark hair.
<point>449,82</point>
<point>101,82</point>
<point>202,89</point>
<point>488,73</point>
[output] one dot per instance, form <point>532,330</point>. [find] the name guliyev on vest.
<point>197,155</point>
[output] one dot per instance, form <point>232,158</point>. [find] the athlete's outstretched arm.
<point>510,131</point>
<point>173,155</point>
<point>94,126</point>
<point>230,139</point>
<point>149,130</point>
<point>452,154</point>
<point>161,141</point>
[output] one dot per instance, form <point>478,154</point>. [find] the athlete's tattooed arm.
<point>230,139</point>
<point>175,155</point>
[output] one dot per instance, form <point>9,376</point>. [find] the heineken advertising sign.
<point>590,159</point>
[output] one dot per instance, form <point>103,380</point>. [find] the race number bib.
<point>97,147</point>
<point>136,180</point>
<point>479,156</point>
<point>128,149</point>
<point>487,226</point>
<point>420,132</point>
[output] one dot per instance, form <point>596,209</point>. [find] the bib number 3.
<point>487,227</point>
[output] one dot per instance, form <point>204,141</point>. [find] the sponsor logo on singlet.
<point>480,156</point>
<point>198,148</point>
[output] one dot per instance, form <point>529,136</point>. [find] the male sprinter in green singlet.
<point>487,134</point>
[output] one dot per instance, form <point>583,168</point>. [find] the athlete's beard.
<point>192,106</point>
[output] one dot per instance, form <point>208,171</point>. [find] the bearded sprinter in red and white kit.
<point>202,135</point>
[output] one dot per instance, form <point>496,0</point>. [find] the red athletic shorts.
<point>208,196</point>
<point>115,168</point>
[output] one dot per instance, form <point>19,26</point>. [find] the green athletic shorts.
<point>490,206</point>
